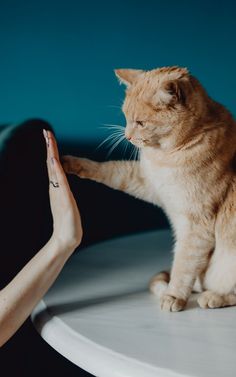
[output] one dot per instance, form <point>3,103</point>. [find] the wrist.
<point>61,247</point>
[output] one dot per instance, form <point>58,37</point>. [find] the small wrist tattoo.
<point>55,184</point>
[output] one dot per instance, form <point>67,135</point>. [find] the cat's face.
<point>158,104</point>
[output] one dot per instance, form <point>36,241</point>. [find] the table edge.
<point>78,349</point>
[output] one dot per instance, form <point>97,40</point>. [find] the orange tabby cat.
<point>187,147</point>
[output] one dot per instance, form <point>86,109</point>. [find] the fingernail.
<point>47,139</point>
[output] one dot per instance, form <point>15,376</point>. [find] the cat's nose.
<point>128,135</point>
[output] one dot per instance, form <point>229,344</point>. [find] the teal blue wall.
<point>57,57</point>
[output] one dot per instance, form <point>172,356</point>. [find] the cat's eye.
<point>140,123</point>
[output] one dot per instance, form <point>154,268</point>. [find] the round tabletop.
<point>100,315</point>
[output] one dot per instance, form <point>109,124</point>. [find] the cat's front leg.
<point>115,174</point>
<point>190,259</point>
<point>120,175</point>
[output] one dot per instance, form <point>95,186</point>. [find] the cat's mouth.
<point>138,142</point>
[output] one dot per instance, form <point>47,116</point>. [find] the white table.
<point>100,315</point>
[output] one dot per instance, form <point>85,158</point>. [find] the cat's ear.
<point>128,76</point>
<point>172,92</point>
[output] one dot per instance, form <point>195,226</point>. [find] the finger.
<point>56,173</point>
<point>48,154</point>
<point>51,150</point>
<point>52,145</point>
<point>54,157</point>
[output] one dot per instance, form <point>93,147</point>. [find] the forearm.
<point>20,296</point>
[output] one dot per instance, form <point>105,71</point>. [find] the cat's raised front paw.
<point>172,304</point>
<point>82,167</point>
<point>68,163</point>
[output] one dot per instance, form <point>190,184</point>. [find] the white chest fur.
<point>168,189</point>
<point>163,180</point>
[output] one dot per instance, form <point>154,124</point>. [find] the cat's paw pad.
<point>68,163</point>
<point>210,300</point>
<point>172,304</point>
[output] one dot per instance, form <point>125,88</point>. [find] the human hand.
<point>67,229</point>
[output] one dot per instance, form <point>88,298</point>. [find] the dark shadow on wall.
<point>26,225</point>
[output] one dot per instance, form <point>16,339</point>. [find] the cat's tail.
<point>159,283</point>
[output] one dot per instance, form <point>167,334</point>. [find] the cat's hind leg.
<point>211,300</point>
<point>220,277</point>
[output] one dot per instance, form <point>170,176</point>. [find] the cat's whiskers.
<point>114,139</point>
<point>125,147</point>
<point>109,126</point>
<point>132,152</point>
<point>115,145</point>
<point>137,154</point>
<point>115,106</point>
<point>108,139</point>
<point>118,130</point>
